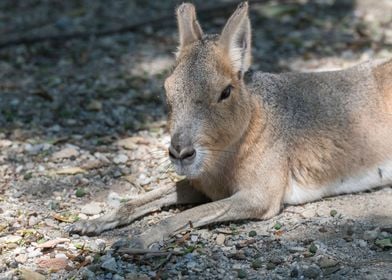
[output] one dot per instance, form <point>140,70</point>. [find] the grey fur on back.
<point>313,101</point>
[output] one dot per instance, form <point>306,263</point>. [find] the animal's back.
<point>337,127</point>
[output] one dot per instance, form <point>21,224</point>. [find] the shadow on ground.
<point>99,89</point>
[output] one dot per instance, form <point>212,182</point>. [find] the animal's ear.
<point>236,39</point>
<point>188,27</point>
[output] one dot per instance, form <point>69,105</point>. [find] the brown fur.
<point>287,138</point>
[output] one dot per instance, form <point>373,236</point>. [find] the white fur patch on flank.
<point>374,177</point>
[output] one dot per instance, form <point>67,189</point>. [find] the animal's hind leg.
<point>180,193</point>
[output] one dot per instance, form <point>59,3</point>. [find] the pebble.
<point>220,239</point>
<point>110,265</point>
<point>325,262</point>
<point>191,265</point>
<point>98,245</point>
<point>256,264</point>
<point>362,243</point>
<point>144,180</point>
<point>120,159</point>
<point>22,258</point>
<point>308,213</point>
<point>88,274</point>
<point>371,235</point>
<point>33,220</point>
<point>93,208</point>
<point>61,256</point>
<point>114,200</point>
<point>94,105</point>
<point>34,254</point>
<point>194,238</point>
<point>118,277</point>
<point>241,273</point>
<point>312,272</point>
<point>65,153</point>
<point>11,239</point>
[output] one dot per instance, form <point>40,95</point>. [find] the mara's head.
<point>209,107</point>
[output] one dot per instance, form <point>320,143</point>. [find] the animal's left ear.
<point>236,39</point>
<point>188,27</point>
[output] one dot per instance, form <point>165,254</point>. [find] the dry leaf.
<point>53,243</point>
<point>55,264</point>
<point>70,171</point>
<point>61,218</point>
<point>26,274</point>
<point>131,143</point>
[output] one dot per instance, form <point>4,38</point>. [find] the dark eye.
<point>226,92</point>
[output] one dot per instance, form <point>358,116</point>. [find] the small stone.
<point>362,243</point>
<point>80,192</point>
<point>385,243</point>
<point>296,249</point>
<point>308,213</point>
<point>276,260</point>
<point>99,245</point>
<point>241,274</point>
<point>88,274</point>
<point>371,235</point>
<point>333,213</point>
<point>144,180</point>
<point>22,258</point>
<point>325,262</point>
<point>94,105</point>
<point>252,233</point>
<point>93,208</point>
<point>54,205</point>
<point>34,254</point>
<point>312,272</point>
<point>277,226</point>
<point>33,220</point>
<point>256,264</point>
<point>128,143</point>
<point>11,239</point>
<point>82,216</point>
<point>65,153</point>
<point>120,159</point>
<point>110,265</point>
<point>220,239</point>
<point>28,176</point>
<point>270,266</point>
<point>26,274</point>
<point>118,277</point>
<point>191,265</point>
<point>53,243</point>
<point>194,238</point>
<point>313,248</point>
<point>61,255</point>
<point>54,264</point>
<point>294,272</point>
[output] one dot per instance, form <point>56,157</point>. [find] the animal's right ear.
<point>236,39</point>
<point>188,27</point>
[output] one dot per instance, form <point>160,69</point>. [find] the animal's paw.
<point>90,227</point>
<point>143,241</point>
<point>130,243</point>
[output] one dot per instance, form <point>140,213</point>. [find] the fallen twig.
<point>151,253</point>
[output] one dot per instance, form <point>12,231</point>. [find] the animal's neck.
<point>253,133</point>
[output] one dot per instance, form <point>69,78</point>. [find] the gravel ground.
<point>82,128</point>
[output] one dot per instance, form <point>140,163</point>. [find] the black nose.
<point>186,153</point>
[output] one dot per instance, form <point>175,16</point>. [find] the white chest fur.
<point>374,177</point>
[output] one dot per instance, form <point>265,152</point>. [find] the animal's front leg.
<point>237,207</point>
<point>180,193</point>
